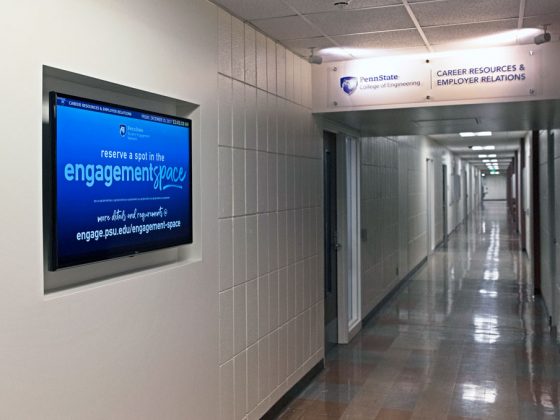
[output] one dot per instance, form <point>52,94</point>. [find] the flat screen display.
<point>121,181</point>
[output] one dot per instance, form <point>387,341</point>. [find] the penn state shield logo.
<point>122,130</point>
<point>349,84</point>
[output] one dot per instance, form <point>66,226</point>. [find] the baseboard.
<point>293,392</point>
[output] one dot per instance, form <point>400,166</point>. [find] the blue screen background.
<point>81,136</point>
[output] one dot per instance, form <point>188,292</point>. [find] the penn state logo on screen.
<point>122,130</point>
<point>349,84</point>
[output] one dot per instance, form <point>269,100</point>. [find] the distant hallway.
<point>464,339</point>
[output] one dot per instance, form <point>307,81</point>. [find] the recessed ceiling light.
<point>478,134</point>
<point>483,147</point>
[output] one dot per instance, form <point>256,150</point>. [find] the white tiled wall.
<point>270,221</point>
<point>394,209</point>
<point>546,224</point>
<point>379,204</point>
<point>556,216</point>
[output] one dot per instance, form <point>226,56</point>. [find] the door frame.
<point>444,199</point>
<point>348,208</point>
<point>349,228</point>
<point>330,242</point>
<point>430,216</point>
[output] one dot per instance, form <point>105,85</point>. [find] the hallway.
<point>464,339</point>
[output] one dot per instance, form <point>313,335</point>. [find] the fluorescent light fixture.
<point>483,148</point>
<point>485,160</point>
<point>484,156</point>
<point>492,156</point>
<point>479,134</point>
<point>494,160</point>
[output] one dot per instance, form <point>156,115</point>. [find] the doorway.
<point>465,196</point>
<point>430,204</point>
<point>331,239</point>
<point>444,200</point>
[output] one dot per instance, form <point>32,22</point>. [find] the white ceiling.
<point>368,28</point>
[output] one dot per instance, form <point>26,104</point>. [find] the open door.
<point>331,240</point>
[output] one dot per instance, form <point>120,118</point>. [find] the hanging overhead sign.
<point>377,81</point>
<point>456,76</point>
<point>492,73</point>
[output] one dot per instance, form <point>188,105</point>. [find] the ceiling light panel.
<point>541,7</point>
<point>453,12</point>
<point>344,22</point>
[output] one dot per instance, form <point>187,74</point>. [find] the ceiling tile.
<point>255,9</point>
<point>382,40</point>
<point>302,46</point>
<point>538,21</point>
<point>454,33</point>
<point>291,27</point>
<point>542,7</point>
<point>394,40</point>
<point>461,11</point>
<point>319,6</point>
<point>361,21</point>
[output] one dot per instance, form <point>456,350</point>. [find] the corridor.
<point>464,339</point>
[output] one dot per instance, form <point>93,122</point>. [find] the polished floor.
<point>464,339</point>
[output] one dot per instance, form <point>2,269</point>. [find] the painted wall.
<point>527,177</point>
<point>270,221</point>
<point>496,187</point>
<point>221,336</point>
<point>136,346</point>
<point>546,199</point>
<point>556,217</point>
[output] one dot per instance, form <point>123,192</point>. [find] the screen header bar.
<point>114,110</point>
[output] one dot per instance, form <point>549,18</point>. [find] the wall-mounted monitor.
<point>121,181</point>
